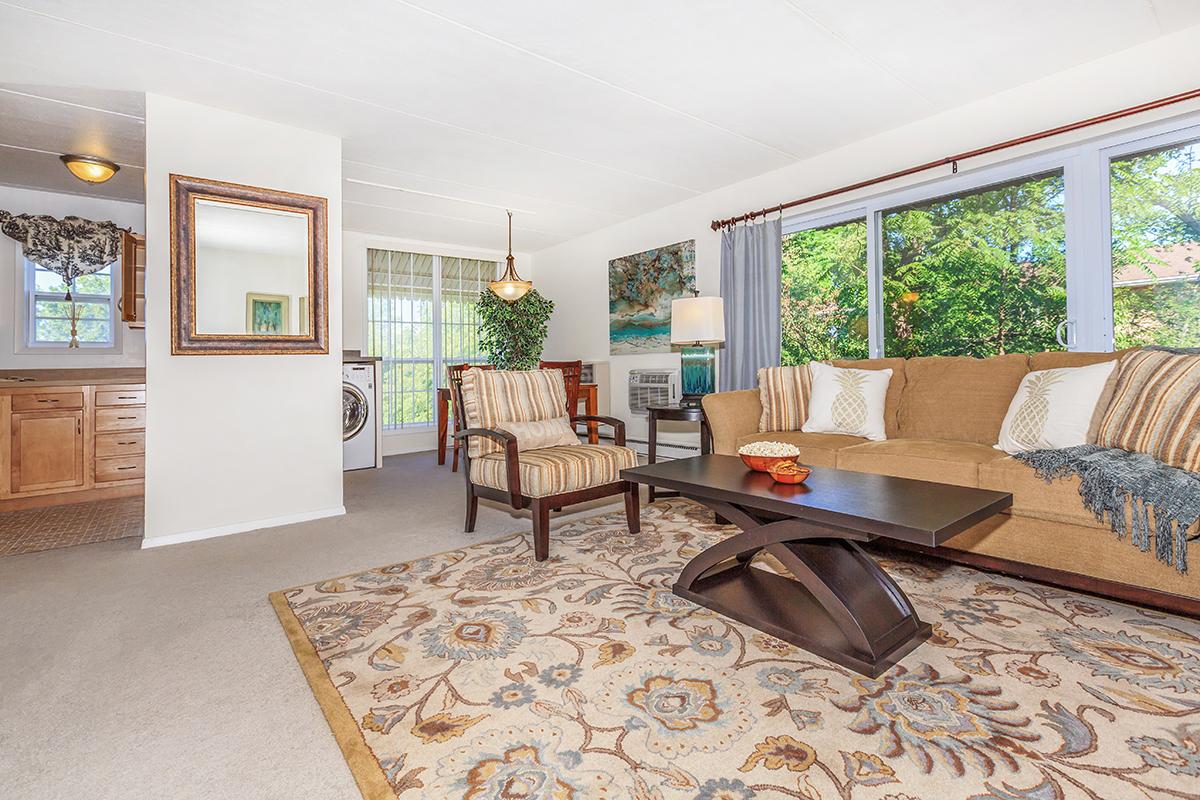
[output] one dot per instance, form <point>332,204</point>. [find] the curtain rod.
<point>953,160</point>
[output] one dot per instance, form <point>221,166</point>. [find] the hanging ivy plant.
<point>511,335</point>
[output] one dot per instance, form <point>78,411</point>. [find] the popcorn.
<point>770,449</point>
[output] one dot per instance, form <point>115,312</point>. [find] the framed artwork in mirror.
<point>249,270</point>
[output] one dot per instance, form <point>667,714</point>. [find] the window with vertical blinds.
<point>422,315</point>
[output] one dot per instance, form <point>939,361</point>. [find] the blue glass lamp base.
<point>699,374</point>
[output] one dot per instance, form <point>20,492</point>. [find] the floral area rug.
<point>484,675</point>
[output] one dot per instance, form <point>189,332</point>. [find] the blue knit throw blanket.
<point>1109,480</point>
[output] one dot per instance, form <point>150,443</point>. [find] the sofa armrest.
<point>731,415</point>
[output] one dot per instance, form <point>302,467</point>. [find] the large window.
<point>49,315</point>
<point>981,273</point>
<point>421,314</point>
<point>823,302</point>
<point>1156,247</point>
<point>1093,246</point>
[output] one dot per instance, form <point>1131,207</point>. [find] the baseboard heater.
<point>664,449</point>
<point>642,447</point>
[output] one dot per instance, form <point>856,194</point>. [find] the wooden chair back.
<point>454,373</point>
<point>571,370</point>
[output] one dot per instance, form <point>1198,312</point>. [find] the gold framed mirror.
<point>249,270</point>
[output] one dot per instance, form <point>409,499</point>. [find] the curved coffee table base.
<point>839,604</point>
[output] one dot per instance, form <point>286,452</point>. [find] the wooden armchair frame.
<point>540,507</point>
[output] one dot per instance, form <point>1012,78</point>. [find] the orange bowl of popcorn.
<point>765,456</point>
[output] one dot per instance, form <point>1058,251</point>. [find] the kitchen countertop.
<point>70,377</point>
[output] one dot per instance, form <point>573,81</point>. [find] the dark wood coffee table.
<point>841,605</point>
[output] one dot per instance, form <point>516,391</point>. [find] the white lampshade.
<point>697,319</point>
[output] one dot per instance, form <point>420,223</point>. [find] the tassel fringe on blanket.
<point>1112,481</point>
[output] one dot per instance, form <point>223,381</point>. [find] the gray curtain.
<point>750,263</point>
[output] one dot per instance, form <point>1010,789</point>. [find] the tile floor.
<point>63,526</point>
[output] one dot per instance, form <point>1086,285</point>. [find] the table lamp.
<point>697,323</point>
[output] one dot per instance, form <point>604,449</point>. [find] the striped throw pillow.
<point>493,396</point>
<point>1155,408</point>
<point>784,393</point>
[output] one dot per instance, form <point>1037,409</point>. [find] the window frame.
<point>438,361</point>
<point>26,317</point>
<point>1085,166</point>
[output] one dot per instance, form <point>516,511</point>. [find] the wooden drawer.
<point>120,419</point>
<point>47,401</point>
<point>120,444</point>
<point>120,469</point>
<point>113,397</point>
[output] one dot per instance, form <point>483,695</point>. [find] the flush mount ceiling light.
<point>90,169</point>
<point>510,287</point>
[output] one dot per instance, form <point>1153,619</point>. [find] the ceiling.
<point>576,115</point>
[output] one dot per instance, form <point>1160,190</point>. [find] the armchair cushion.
<point>491,397</point>
<point>555,470</point>
<point>541,433</point>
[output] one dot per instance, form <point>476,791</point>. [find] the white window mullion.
<point>1089,290</point>
<point>438,366</point>
<point>875,282</point>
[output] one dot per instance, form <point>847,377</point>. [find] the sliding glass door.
<point>1155,202</point>
<point>979,273</point>
<point>823,298</point>
<point>1094,246</point>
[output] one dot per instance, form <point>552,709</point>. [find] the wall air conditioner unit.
<point>652,387</point>
<point>597,372</point>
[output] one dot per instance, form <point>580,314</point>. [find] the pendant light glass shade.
<point>90,169</point>
<point>510,287</point>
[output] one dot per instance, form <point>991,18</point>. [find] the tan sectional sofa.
<point>943,415</point>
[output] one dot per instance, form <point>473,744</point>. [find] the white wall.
<point>237,442</point>
<point>29,201</point>
<point>225,277</point>
<point>575,273</point>
<point>354,310</point>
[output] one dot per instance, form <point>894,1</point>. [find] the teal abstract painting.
<point>640,290</point>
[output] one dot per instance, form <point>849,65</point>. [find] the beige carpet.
<point>479,673</point>
<point>162,673</point>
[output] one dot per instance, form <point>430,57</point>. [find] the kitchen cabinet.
<point>64,442</point>
<point>47,450</point>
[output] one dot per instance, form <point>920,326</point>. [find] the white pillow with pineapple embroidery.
<point>847,401</point>
<point>1054,408</point>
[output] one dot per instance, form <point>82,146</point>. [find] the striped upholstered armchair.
<point>521,449</point>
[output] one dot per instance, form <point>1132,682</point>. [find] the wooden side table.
<point>674,414</point>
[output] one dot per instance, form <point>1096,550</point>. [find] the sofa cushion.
<point>891,404</point>
<point>1058,501</point>
<point>848,401</point>
<point>959,398</point>
<point>1054,408</point>
<point>938,460</point>
<point>1059,359</point>
<point>1155,408</point>
<point>555,470</point>
<point>784,394</point>
<point>816,449</point>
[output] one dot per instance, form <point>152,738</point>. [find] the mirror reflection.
<point>251,270</point>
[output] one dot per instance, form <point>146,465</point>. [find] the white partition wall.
<point>235,443</point>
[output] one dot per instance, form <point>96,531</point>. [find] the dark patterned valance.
<point>68,247</point>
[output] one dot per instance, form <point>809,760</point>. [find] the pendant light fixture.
<point>510,287</point>
<point>90,169</point>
